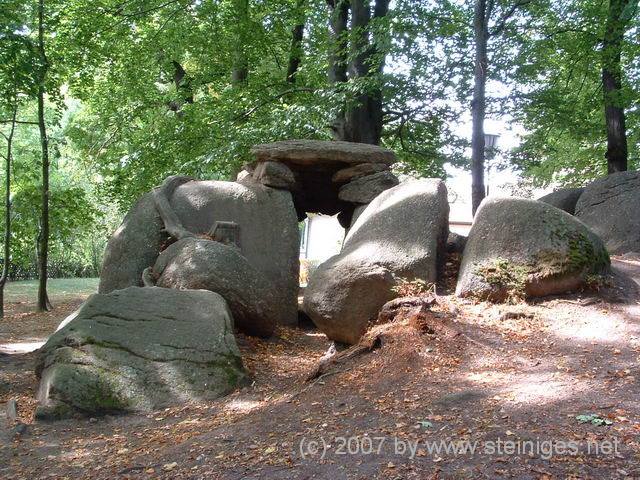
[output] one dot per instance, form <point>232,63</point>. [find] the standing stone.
<point>365,189</point>
<point>400,234</point>
<point>134,246</point>
<point>268,231</point>
<point>610,207</point>
<point>519,247</point>
<point>564,199</point>
<point>136,350</point>
<point>194,263</point>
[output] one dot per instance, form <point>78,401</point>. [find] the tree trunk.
<point>362,119</point>
<point>338,22</point>
<point>364,113</point>
<point>612,87</point>
<point>183,87</point>
<point>478,106</point>
<point>240,69</point>
<point>43,250</point>
<point>297,34</point>
<point>7,210</point>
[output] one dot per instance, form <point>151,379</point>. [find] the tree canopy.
<point>137,90</point>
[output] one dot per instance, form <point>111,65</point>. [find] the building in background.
<point>321,237</point>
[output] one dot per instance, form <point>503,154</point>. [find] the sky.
<point>500,182</point>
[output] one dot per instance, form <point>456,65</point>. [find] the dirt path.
<point>515,381</point>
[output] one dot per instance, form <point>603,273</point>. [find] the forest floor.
<point>543,390</point>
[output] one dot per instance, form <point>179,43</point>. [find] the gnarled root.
<point>161,195</point>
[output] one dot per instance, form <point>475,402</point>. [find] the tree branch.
<point>249,112</point>
<point>22,122</point>
<point>506,16</point>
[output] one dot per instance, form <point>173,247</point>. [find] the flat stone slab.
<point>313,152</point>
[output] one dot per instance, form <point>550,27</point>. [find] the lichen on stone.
<point>507,280</point>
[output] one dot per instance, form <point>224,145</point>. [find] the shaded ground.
<point>515,374</point>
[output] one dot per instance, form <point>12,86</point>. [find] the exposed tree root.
<point>161,196</point>
<point>366,344</point>
<point>393,308</point>
<point>415,310</point>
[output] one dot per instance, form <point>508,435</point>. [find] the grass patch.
<point>59,289</point>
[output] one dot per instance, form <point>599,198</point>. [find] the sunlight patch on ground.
<point>541,388</point>
<point>596,326</point>
<point>22,347</point>
<point>242,406</point>
<point>537,388</point>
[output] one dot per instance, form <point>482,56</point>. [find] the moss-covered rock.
<point>519,248</point>
<point>139,349</point>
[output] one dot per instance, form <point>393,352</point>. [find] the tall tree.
<point>7,203</point>
<point>43,240</point>
<point>297,35</point>
<point>338,55</point>
<point>576,91</point>
<point>240,68</point>
<point>478,104</point>
<point>360,61</point>
<point>483,12</point>
<point>619,15</point>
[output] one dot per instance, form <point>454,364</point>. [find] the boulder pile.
<point>194,261</point>
<point>258,221</point>
<point>326,177</point>
<point>608,206</point>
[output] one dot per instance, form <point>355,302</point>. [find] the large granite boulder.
<point>274,174</point>
<point>134,246</point>
<point>136,350</point>
<point>563,198</point>
<point>609,206</point>
<point>519,247</point>
<point>400,235</point>
<point>193,263</point>
<point>264,219</point>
